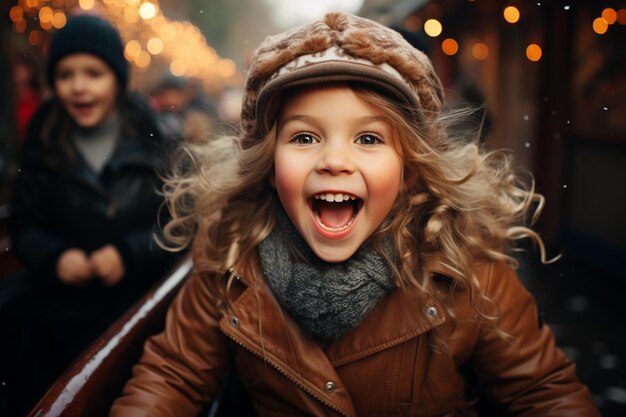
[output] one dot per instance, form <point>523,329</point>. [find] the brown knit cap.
<point>341,47</point>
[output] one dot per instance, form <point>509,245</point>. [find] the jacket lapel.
<point>258,323</point>
<point>402,315</point>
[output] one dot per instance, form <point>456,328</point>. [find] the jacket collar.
<point>259,324</point>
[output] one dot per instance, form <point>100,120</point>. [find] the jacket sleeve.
<point>526,374</point>
<point>34,242</point>
<point>181,368</point>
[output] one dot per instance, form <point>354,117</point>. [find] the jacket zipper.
<point>287,375</point>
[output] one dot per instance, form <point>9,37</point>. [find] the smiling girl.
<point>350,258</point>
<point>85,205</point>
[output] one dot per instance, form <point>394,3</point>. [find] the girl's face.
<point>86,87</point>
<point>336,169</point>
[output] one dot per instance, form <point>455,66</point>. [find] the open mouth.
<point>83,107</point>
<point>336,211</point>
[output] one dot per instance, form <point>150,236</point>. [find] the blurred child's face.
<point>337,169</point>
<point>86,87</point>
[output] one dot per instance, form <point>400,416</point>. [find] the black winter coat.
<point>60,202</point>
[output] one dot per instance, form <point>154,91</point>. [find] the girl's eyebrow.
<point>361,120</point>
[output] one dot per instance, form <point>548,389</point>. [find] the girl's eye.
<point>369,139</point>
<point>63,75</point>
<point>94,73</point>
<point>304,138</point>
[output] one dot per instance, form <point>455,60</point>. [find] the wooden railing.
<point>96,378</point>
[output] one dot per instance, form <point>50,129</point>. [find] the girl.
<point>85,205</point>
<point>367,251</point>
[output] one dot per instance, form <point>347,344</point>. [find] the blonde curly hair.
<point>458,204</point>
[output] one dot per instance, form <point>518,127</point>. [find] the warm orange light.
<point>132,49</point>
<point>610,15</point>
<point>31,4</point>
<point>16,14</point>
<point>533,52</point>
<point>480,51</point>
<point>449,46</point>
<point>155,46</point>
<point>58,3</point>
<point>20,27</point>
<point>35,37</point>
<point>167,32</point>
<point>45,15</point>
<point>86,4</point>
<point>226,68</point>
<point>142,60</point>
<point>511,14</point>
<point>600,26</point>
<point>59,20</point>
<point>178,67</point>
<point>45,25</point>
<point>147,11</point>
<point>413,23</point>
<point>621,16</point>
<point>433,28</point>
<point>131,14</point>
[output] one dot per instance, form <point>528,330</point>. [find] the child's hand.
<point>108,265</point>
<point>73,267</point>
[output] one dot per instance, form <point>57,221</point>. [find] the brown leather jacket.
<point>384,367</point>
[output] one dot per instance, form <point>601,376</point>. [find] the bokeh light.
<point>413,23</point>
<point>16,14</point>
<point>600,26</point>
<point>86,4</point>
<point>142,60</point>
<point>149,36</point>
<point>533,52</point>
<point>178,68</point>
<point>147,11</point>
<point>155,46</point>
<point>511,14</point>
<point>480,51</point>
<point>610,15</point>
<point>449,46</point>
<point>433,28</point>
<point>59,20</point>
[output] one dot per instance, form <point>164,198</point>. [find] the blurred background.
<point>551,76</point>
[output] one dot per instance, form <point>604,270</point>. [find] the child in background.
<point>85,200</point>
<point>350,257</point>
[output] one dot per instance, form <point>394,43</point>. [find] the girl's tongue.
<point>336,215</point>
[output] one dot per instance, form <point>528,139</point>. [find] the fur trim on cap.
<point>341,47</point>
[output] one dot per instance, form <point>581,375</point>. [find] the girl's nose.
<point>335,158</point>
<point>78,84</point>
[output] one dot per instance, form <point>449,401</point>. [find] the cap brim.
<point>324,73</point>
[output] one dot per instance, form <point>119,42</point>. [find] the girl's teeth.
<point>334,197</point>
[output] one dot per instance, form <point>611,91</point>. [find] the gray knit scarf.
<point>327,300</point>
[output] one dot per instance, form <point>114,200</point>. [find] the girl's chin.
<point>333,253</point>
<point>334,258</point>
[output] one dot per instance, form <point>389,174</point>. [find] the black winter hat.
<point>89,34</point>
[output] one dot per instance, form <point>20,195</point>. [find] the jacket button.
<point>432,312</point>
<point>330,386</point>
<point>234,321</point>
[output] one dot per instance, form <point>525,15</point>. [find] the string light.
<point>148,36</point>
<point>600,26</point>
<point>511,14</point>
<point>480,51</point>
<point>610,15</point>
<point>433,28</point>
<point>533,52</point>
<point>449,46</point>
